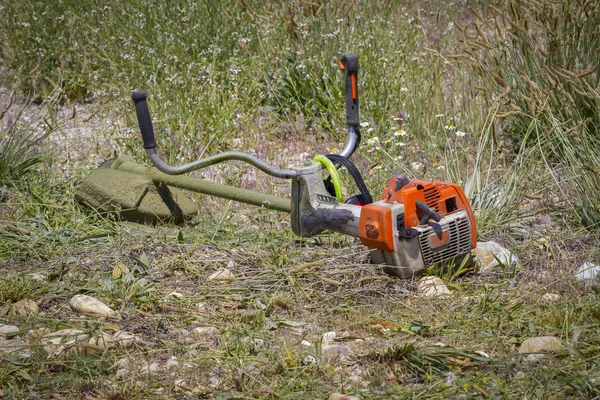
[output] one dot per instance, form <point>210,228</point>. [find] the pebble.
<point>540,344</point>
<point>334,353</point>
<point>8,346</point>
<point>25,307</point>
<point>8,330</point>
<point>306,343</point>
<point>222,275</point>
<point>327,338</point>
<point>175,294</point>
<point>149,368</point>
<point>90,306</point>
<point>588,271</point>
<point>171,363</point>
<point>549,298</point>
<point>125,340</point>
<point>430,286</point>
<point>489,255</point>
<point>206,330</point>
<point>76,341</point>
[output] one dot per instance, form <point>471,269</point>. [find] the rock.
<point>90,306</point>
<point>149,368</point>
<point>306,343</point>
<point>339,396</point>
<point>8,331</point>
<point>206,330</point>
<point>335,353</point>
<point>25,307</point>
<point>125,340</point>
<point>489,255</point>
<point>327,338</point>
<point>540,344</point>
<point>482,353</point>
<point>222,275</point>
<point>549,298</point>
<point>175,294</point>
<point>172,363</point>
<point>588,271</point>
<point>36,276</point>
<point>534,358</point>
<point>4,194</point>
<point>14,345</point>
<point>76,342</point>
<point>309,359</point>
<point>432,286</point>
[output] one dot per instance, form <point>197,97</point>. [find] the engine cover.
<point>405,234</point>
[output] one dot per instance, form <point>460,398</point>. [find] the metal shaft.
<point>125,163</point>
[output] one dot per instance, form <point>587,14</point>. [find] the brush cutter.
<point>415,224</point>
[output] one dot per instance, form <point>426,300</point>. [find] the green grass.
<point>262,76</point>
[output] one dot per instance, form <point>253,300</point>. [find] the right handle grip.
<point>143,116</point>
<point>349,64</point>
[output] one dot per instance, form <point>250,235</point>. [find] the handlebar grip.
<point>349,64</point>
<point>428,211</point>
<point>143,116</point>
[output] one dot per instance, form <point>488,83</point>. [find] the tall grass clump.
<point>538,61</point>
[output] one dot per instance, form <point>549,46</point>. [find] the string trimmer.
<point>415,224</point>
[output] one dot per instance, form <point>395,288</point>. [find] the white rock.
<point>327,338</point>
<point>306,343</point>
<point>149,368</point>
<point>482,353</point>
<point>540,344</point>
<point>334,353</point>
<point>489,255</point>
<point>587,271</point>
<point>36,276</point>
<point>175,294</point>
<point>171,363</point>
<point>25,307</point>
<point>432,286</point>
<point>76,341</point>
<point>125,340</point>
<point>206,330</point>
<point>90,306</point>
<point>534,358</point>
<point>309,359</point>
<point>222,275</point>
<point>11,345</point>
<point>8,330</point>
<point>549,298</point>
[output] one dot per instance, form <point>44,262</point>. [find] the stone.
<point>340,396</point>
<point>489,255</point>
<point>76,342</point>
<point>125,340</point>
<point>36,276</point>
<point>149,368</point>
<point>134,197</point>
<point>540,344</point>
<point>175,294</point>
<point>172,363</point>
<point>549,298</point>
<point>8,330</point>
<point>335,353</point>
<point>588,271</point>
<point>222,275</point>
<point>430,286</point>
<point>14,345</point>
<point>25,307</point>
<point>328,338</point>
<point>206,330</point>
<point>90,306</point>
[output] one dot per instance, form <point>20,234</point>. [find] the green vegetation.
<point>502,98</point>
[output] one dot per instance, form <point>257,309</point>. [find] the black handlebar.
<point>349,64</point>
<point>143,117</point>
<point>428,213</point>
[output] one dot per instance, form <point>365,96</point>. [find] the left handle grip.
<point>143,116</point>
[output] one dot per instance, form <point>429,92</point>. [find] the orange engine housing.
<point>443,197</point>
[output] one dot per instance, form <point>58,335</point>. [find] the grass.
<point>493,97</point>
